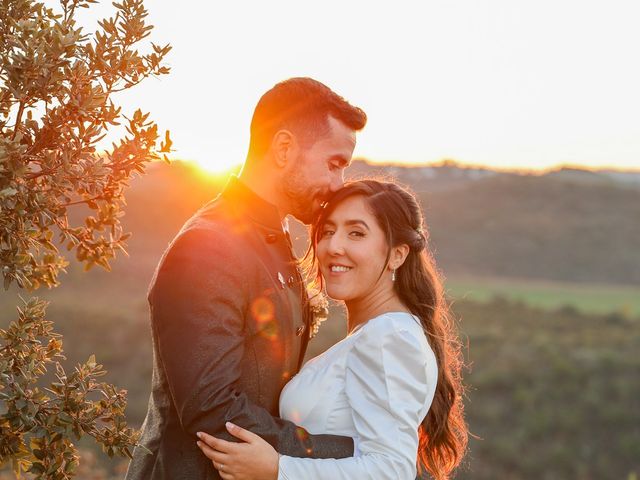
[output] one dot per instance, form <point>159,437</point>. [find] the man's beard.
<point>302,204</point>
<point>304,201</point>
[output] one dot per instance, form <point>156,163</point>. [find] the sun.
<point>216,166</point>
<point>214,158</point>
<point>216,172</point>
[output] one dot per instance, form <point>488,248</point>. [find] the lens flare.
<point>262,309</point>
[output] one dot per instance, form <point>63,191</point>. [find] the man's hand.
<point>253,459</point>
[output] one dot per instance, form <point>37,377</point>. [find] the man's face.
<point>318,171</point>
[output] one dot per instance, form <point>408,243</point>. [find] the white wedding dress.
<point>375,386</point>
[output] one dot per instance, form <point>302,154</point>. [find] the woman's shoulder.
<point>393,340</point>
<point>395,330</point>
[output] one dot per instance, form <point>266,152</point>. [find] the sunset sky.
<point>504,83</point>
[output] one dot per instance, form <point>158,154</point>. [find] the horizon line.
<point>479,166</point>
<point>467,165</point>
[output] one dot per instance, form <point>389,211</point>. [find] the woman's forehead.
<point>354,207</point>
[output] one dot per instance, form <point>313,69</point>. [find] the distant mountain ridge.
<point>555,226</point>
<point>437,177</point>
<point>449,173</point>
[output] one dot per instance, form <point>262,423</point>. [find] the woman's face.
<point>352,251</point>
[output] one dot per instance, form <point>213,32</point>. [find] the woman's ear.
<point>398,256</point>
<point>282,146</point>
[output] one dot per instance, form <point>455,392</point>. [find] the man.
<point>228,306</point>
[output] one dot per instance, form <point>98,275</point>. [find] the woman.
<point>393,384</point>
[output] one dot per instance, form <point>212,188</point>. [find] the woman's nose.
<point>335,246</point>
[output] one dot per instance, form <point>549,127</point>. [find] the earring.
<point>393,275</point>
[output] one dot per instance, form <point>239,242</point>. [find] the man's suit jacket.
<point>230,326</point>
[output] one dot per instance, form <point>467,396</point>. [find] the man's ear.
<point>398,256</point>
<point>282,147</point>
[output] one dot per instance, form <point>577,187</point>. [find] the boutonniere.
<point>319,306</point>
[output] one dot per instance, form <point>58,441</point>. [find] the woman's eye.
<point>356,234</point>
<point>326,233</point>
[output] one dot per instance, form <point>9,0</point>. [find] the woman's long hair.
<point>443,433</point>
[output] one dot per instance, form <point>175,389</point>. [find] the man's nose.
<point>337,182</point>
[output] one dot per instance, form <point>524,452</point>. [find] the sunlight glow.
<point>478,82</point>
<point>216,166</point>
<point>217,173</point>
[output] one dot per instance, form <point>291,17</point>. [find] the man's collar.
<point>255,207</point>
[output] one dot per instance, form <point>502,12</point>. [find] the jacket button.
<point>271,238</point>
<point>300,330</point>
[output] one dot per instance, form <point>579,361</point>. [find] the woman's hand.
<point>254,459</point>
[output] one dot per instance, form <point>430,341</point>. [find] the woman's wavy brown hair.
<point>443,433</point>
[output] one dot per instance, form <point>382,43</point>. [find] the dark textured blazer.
<point>230,327</point>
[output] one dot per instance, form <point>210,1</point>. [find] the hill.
<point>538,227</point>
<point>482,223</point>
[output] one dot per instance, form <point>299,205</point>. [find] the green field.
<point>548,295</point>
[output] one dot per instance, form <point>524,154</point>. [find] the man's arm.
<point>198,303</point>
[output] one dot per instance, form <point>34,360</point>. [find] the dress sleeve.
<point>387,385</point>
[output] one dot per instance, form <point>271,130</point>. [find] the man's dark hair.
<point>303,106</point>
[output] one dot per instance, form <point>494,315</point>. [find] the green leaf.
<point>8,192</point>
<point>92,361</point>
<point>37,468</point>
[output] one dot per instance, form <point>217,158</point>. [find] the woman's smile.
<point>337,269</point>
